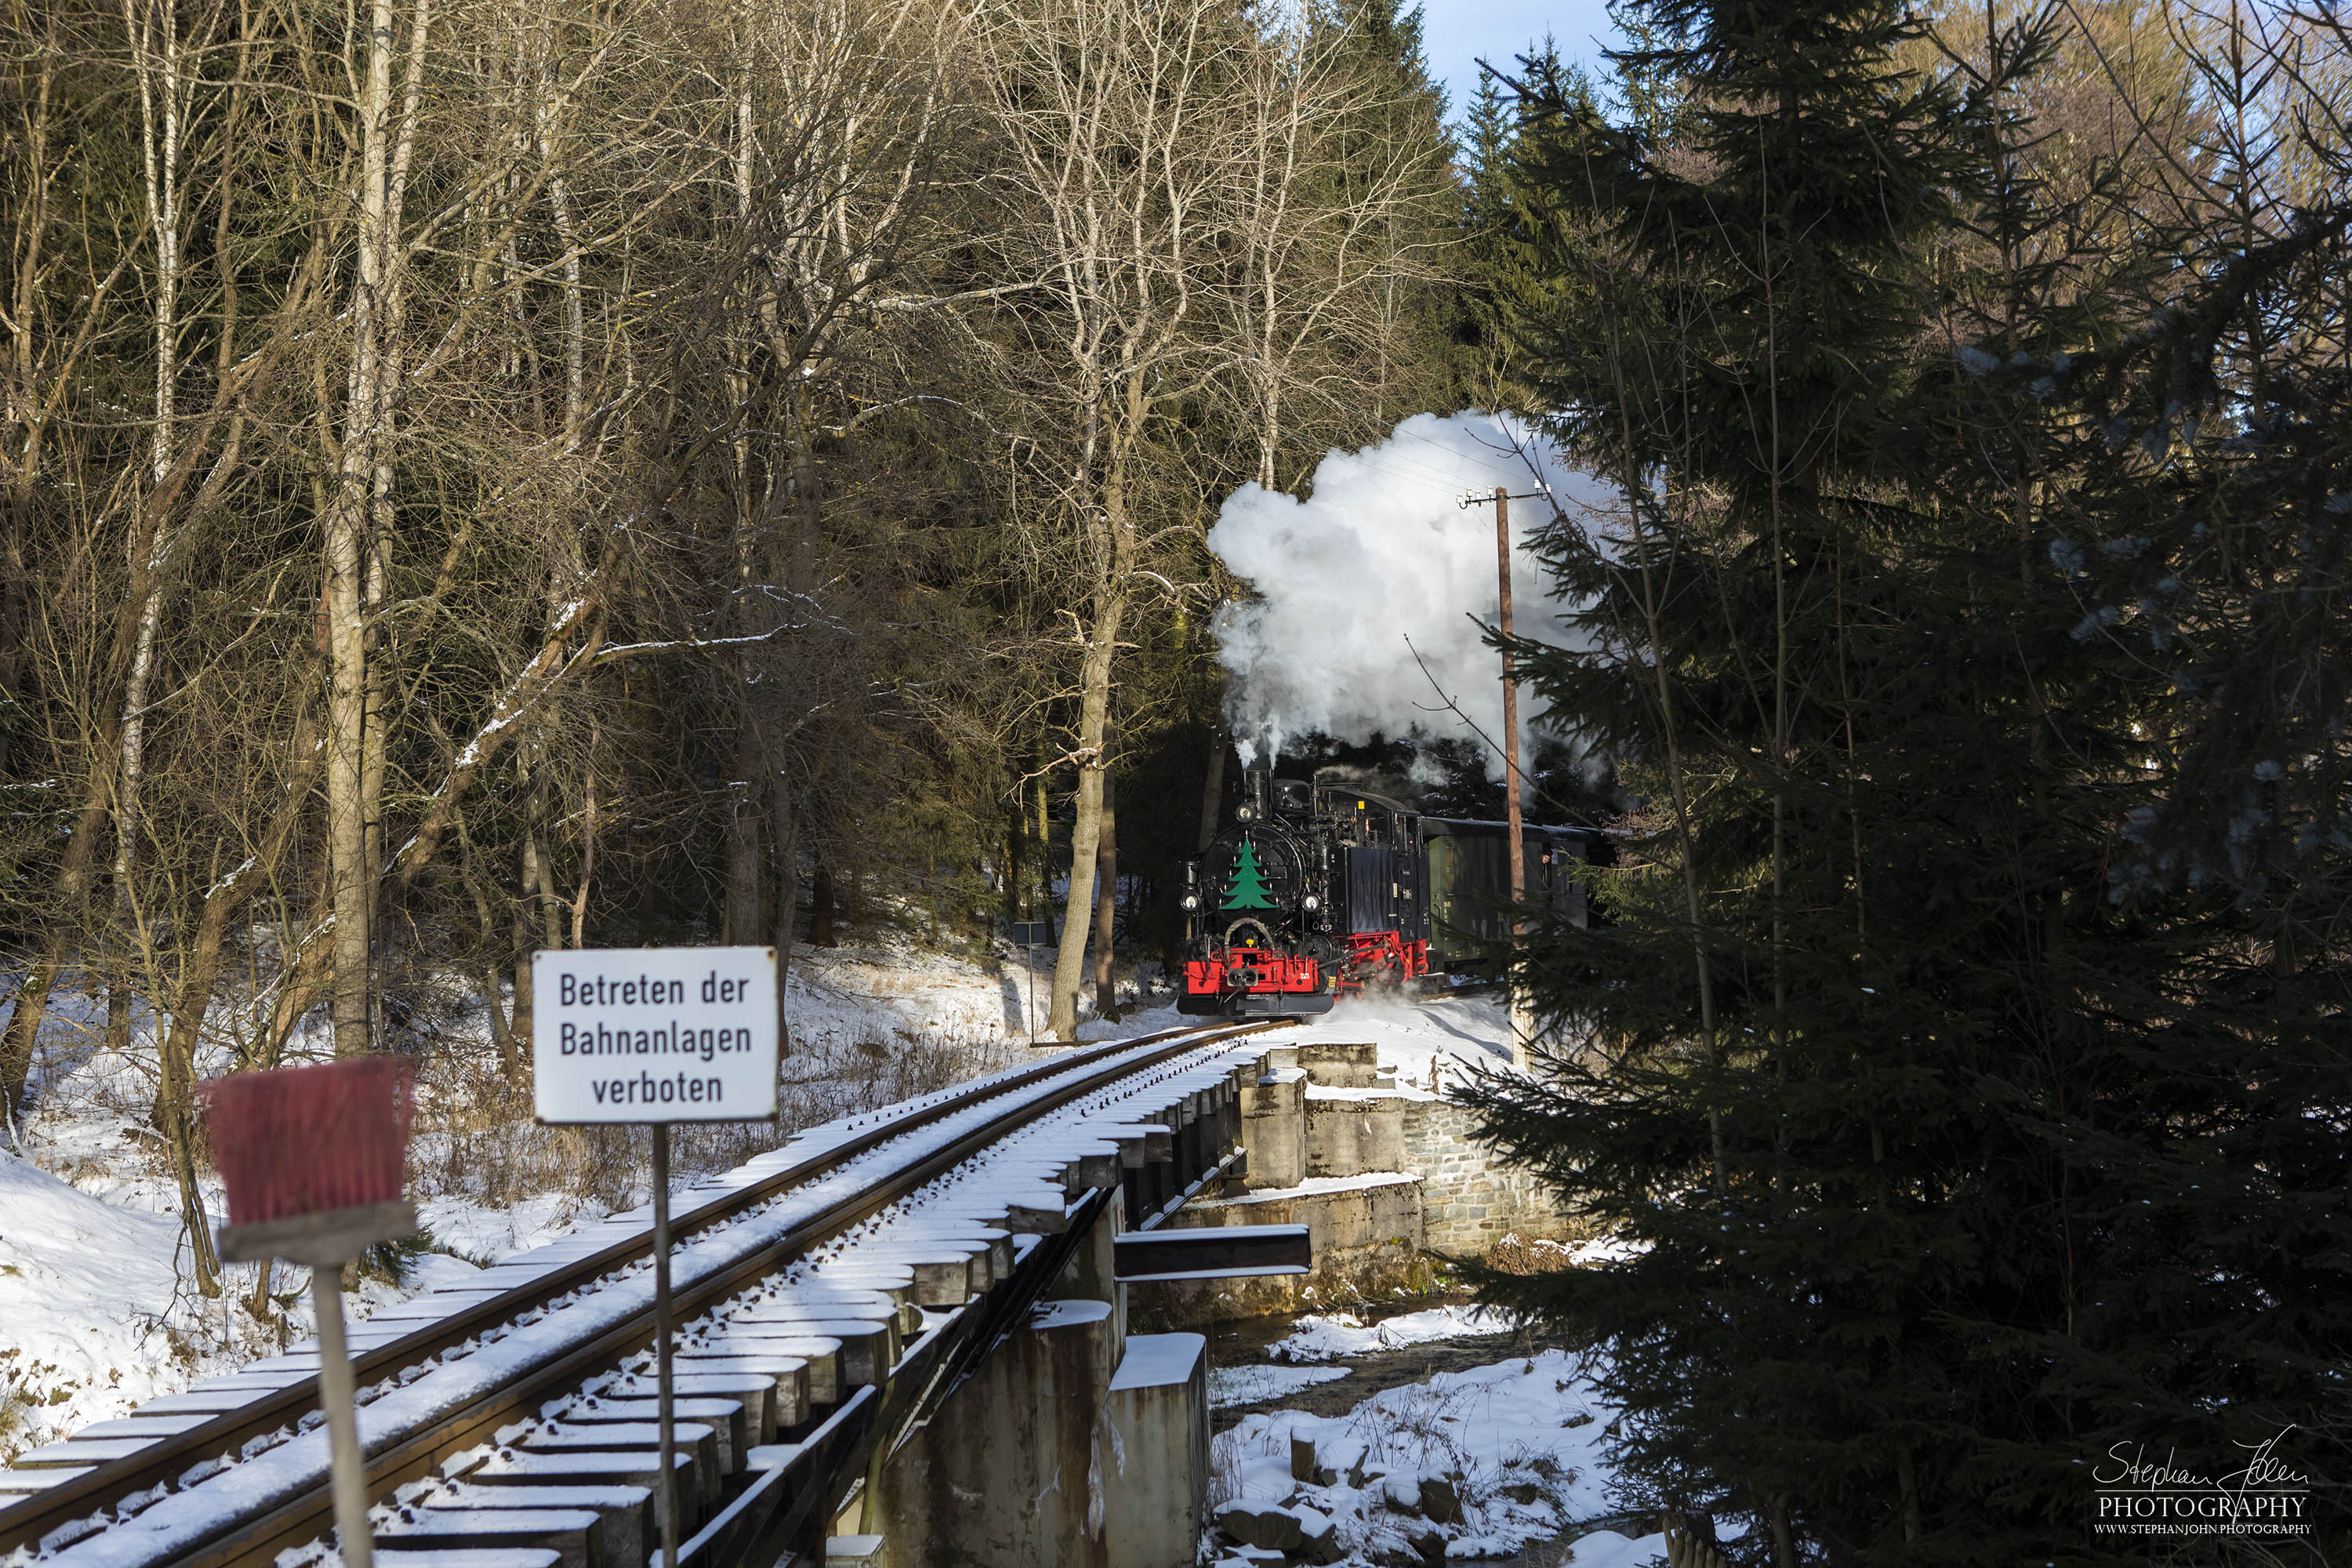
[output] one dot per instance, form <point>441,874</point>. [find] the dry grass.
<point>477,1137</point>
<point>1516,1254</point>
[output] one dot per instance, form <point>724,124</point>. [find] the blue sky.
<point>1458,32</point>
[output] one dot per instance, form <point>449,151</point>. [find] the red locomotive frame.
<point>1373,956</point>
<point>1382,955</point>
<point>1253,971</point>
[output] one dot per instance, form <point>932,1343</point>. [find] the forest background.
<point>492,474</point>
<point>1960,1067</point>
<point>486,476</point>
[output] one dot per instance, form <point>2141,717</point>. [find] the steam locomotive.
<point>1316,889</point>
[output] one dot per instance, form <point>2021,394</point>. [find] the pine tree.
<point>1482,344</point>
<point>1399,120</point>
<point>1247,890</point>
<point>1947,1167</point>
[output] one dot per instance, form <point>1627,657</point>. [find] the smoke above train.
<point>1379,573</point>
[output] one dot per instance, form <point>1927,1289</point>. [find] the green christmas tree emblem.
<point>1248,889</point>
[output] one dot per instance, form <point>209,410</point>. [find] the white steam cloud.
<point>1382,562</point>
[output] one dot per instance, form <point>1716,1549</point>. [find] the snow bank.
<point>837,997</point>
<point>1517,1444</point>
<point>1231,1385</point>
<point>83,1285</point>
<point>1329,1336</point>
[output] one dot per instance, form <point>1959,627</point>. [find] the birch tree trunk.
<point>1107,902</point>
<point>350,510</point>
<point>1085,832</point>
<point>153,29</point>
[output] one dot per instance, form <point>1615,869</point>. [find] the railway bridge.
<point>904,1341</point>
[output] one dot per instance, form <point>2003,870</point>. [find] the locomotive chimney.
<point>1257,787</point>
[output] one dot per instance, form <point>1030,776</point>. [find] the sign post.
<point>655,1035</point>
<point>1029,936</point>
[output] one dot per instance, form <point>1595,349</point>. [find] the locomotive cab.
<point>1377,845</point>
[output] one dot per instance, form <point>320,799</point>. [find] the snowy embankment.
<point>1463,1465</point>
<point>98,1307</point>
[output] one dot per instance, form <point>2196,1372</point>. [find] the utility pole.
<point>1510,706</point>
<point>1521,1023</point>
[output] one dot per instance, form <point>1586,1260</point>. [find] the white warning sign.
<point>655,1033</point>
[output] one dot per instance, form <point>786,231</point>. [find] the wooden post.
<point>336,1397</point>
<point>1510,701</point>
<point>1519,1023</point>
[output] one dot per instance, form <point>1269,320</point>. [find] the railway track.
<point>832,1292</point>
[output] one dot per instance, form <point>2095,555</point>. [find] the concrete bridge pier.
<point>1092,1273</point>
<point>1075,1444</point>
<point>1008,1470</point>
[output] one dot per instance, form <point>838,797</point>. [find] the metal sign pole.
<point>656,1034</point>
<point>666,1498</point>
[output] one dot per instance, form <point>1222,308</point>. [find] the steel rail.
<point>27,1522</point>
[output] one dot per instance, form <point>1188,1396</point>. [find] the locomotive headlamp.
<point>1191,901</point>
<point>1310,903</point>
<point>1246,812</point>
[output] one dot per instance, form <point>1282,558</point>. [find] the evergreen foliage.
<point>1964,1057</point>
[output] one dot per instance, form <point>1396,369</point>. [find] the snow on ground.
<point>1230,1385</point>
<point>1455,1034</point>
<point>98,1313</point>
<point>836,997</point>
<point>1452,1035</point>
<point>1607,1549</point>
<point>72,1267</point>
<point>473,1236</point>
<point>1322,1337</point>
<point>98,1310</point>
<point>1489,1459</point>
<point>1467,1465</point>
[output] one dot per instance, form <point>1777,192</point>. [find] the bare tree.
<point>1119,121</point>
<point>1341,203</point>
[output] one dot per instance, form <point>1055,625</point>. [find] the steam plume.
<point>1379,553</point>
